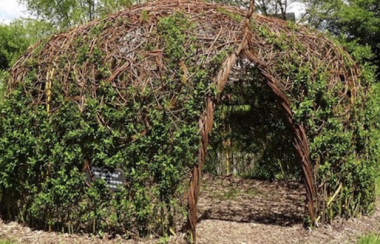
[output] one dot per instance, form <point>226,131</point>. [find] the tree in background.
<point>356,21</point>
<point>266,7</point>
<point>274,7</point>
<point>51,16</point>
<point>69,13</point>
<point>319,13</point>
<point>16,37</point>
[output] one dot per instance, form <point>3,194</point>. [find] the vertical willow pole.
<point>205,126</point>
<point>49,77</point>
<point>226,144</point>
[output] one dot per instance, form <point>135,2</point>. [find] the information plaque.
<point>114,178</point>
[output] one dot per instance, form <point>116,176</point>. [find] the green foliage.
<point>234,17</point>
<point>6,242</point>
<point>68,13</point>
<point>377,191</point>
<point>355,20</point>
<point>171,30</point>
<point>319,13</point>
<point>153,137</point>
<point>344,155</point>
<point>262,143</point>
<point>150,131</point>
<point>16,37</point>
<point>359,20</point>
<point>369,239</point>
<point>230,194</point>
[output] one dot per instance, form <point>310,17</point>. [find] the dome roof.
<point>129,41</point>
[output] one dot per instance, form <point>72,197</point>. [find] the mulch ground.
<point>234,211</point>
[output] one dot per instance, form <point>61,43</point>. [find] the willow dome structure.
<point>138,90</point>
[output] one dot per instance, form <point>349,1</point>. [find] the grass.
<point>370,239</point>
<point>251,192</point>
<point>6,242</point>
<point>231,194</point>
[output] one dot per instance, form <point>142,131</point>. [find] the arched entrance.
<point>246,53</point>
<point>254,50</point>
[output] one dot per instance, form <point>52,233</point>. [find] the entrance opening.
<point>252,156</point>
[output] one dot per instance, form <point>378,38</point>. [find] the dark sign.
<point>113,177</point>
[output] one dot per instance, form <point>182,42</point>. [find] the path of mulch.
<point>257,212</point>
<point>234,211</point>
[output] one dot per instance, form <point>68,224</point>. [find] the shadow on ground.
<point>252,201</point>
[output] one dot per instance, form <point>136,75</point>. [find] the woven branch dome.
<point>121,40</point>
<point>155,62</point>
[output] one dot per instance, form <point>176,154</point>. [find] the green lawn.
<point>370,239</point>
<point>6,242</point>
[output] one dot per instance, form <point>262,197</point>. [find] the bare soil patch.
<point>234,211</point>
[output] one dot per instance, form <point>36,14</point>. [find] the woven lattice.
<point>127,45</point>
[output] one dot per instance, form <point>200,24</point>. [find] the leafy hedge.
<point>42,151</point>
<point>72,102</point>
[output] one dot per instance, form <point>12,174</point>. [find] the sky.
<point>297,8</point>
<point>10,10</point>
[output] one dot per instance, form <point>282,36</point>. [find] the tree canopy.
<point>68,13</point>
<point>16,37</point>
<point>355,21</point>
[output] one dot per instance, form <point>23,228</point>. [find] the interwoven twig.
<point>122,37</point>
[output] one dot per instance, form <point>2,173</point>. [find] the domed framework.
<point>165,56</point>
